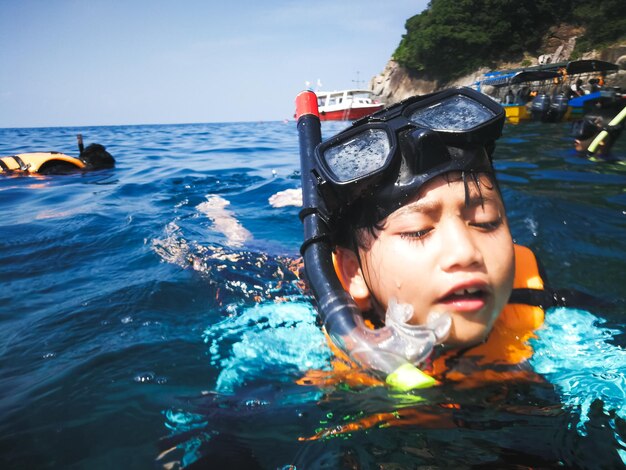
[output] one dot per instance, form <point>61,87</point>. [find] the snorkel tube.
<point>81,146</point>
<point>389,352</point>
<point>603,135</point>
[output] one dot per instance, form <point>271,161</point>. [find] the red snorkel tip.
<point>306,103</point>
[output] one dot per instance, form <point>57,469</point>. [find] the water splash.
<point>224,220</point>
<point>273,342</point>
<point>572,351</point>
<point>277,340</point>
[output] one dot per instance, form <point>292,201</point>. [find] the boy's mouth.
<point>466,299</point>
<point>468,293</point>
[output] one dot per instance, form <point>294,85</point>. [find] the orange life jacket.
<point>33,162</point>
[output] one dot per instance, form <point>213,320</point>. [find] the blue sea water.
<point>149,314</point>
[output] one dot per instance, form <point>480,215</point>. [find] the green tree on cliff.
<point>453,37</point>
<point>604,21</point>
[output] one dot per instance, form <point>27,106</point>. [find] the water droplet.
<point>608,375</point>
<point>144,377</point>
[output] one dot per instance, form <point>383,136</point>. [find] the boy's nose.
<point>459,250</point>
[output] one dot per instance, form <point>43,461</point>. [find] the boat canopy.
<point>546,71</point>
<point>585,66</point>
<point>521,77</point>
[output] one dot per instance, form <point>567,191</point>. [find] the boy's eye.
<point>490,225</point>
<point>416,235</point>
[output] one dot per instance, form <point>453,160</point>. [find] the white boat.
<point>346,105</point>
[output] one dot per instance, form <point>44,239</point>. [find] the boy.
<point>408,201</point>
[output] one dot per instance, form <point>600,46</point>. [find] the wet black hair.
<point>95,157</point>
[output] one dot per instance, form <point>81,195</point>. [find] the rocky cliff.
<point>396,83</point>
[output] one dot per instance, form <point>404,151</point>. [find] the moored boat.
<point>525,83</point>
<point>346,105</point>
<point>550,92</point>
<point>593,94</point>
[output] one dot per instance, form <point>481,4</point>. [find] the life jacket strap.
<point>548,298</point>
<point>535,297</point>
<point>23,166</point>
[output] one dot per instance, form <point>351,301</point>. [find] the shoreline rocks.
<point>396,82</point>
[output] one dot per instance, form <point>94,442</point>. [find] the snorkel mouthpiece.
<point>398,345</point>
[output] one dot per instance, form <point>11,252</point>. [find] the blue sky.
<point>108,62</point>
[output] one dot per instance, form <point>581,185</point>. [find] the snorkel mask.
<point>384,159</point>
<point>387,156</point>
<point>587,127</point>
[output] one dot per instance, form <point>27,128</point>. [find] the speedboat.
<point>516,105</point>
<point>346,105</point>
<point>543,92</point>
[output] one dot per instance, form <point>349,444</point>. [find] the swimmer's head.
<point>585,130</point>
<point>95,157</point>
<point>416,212</point>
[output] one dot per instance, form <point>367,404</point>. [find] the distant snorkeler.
<point>597,132</point>
<point>93,157</point>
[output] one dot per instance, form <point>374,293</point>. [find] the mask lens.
<point>361,155</point>
<point>456,113</point>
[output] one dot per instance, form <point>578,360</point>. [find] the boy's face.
<point>439,254</point>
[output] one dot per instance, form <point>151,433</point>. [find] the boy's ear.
<point>351,277</point>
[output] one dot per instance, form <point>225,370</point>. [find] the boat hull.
<point>348,114</point>
<point>516,113</point>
